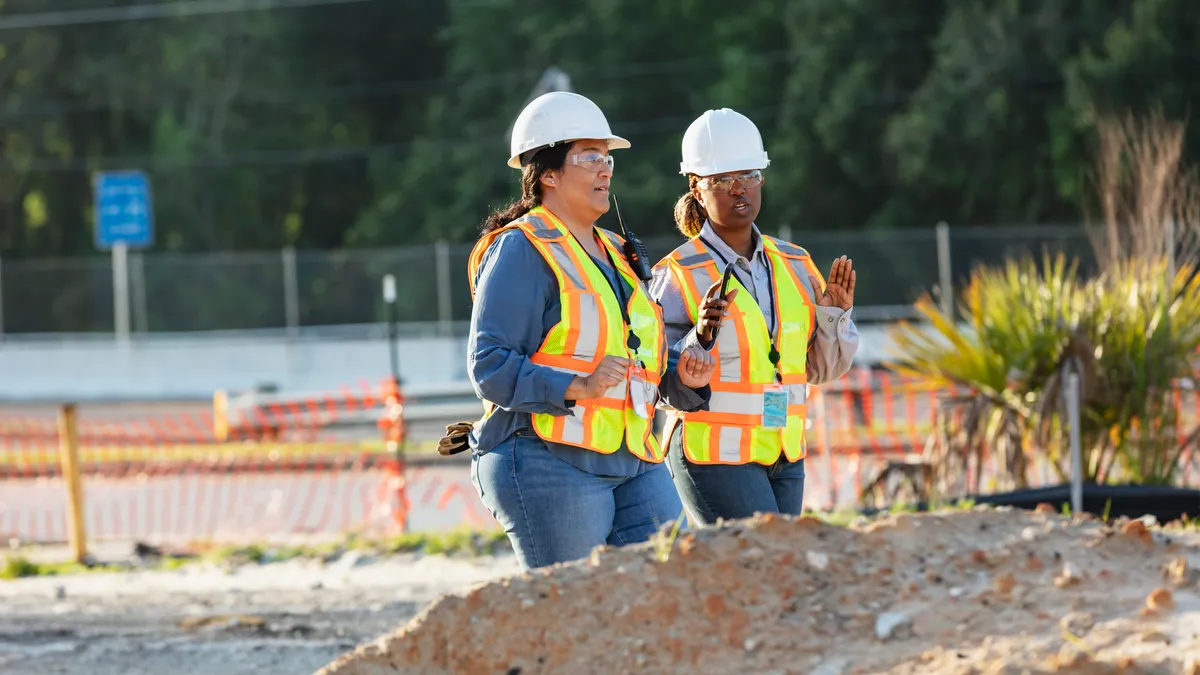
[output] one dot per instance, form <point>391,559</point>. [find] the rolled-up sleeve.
<point>675,395</point>
<point>507,323</point>
<point>831,353</point>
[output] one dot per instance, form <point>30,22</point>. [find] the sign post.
<point>389,304</point>
<point>124,220</point>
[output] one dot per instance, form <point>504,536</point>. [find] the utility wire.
<point>162,10</point>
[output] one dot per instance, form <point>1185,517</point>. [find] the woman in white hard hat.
<point>778,328</point>
<point>568,352</point>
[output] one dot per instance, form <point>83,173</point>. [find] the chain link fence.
<point>298,290</point>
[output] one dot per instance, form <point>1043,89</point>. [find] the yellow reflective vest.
<point>731,430</point>
<point>592,327</point>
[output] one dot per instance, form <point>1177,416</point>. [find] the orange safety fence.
<point>186,441</point>
<point>189,507</point>
<point>167,476</point>
<point>305,418</point>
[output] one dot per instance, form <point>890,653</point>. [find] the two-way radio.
<point>635,251</point>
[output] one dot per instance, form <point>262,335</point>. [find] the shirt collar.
<point>710,235</point>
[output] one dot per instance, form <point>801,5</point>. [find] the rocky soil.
<point>982,592</point>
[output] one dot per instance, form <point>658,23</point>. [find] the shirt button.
<point>830,319</point>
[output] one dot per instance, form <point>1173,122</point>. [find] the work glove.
<point>456,439</point>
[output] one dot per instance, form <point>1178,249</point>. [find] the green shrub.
<point>1132,333</point>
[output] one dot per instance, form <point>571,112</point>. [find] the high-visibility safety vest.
<point>731,430</point>
<point>591,328</point>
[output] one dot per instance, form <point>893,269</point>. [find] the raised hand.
<point>839,288</point>
<point>695,367</point>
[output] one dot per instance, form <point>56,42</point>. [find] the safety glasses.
<point>592,161</point>
<point>748,179</point>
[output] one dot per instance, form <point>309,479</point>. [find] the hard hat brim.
<point>724,167</point>
<point>614,143</point>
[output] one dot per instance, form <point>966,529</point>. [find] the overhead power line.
<point>168,10</point>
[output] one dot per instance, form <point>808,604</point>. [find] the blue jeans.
<point>554,512</point>
<point>712,491</point>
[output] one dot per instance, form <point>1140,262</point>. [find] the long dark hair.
<point>689,213</point>
<point>550,158</point>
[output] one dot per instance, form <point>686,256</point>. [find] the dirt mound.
<point>985,592</point>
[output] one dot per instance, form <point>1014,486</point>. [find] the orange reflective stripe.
<point>571,344</point>
<point>717,418</point>
<point>565,363</point>
<point>587,332</point>
<point>589,418</point>
<point>812,269</point>
<point>609,403</point>
<point>743,336</point>
<point>731,427</point>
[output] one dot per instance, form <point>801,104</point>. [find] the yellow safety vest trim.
<point>590,328</point>
<point>730,431</point>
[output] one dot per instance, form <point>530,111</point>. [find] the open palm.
<point>839,288</point>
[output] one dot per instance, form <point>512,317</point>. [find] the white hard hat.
<point>556,117</point>
<point>720,141</point>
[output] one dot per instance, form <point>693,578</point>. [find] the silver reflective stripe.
<point>703,278</point>
<point>589,327</point>
<point>563,259</point>
<point>729,441</point>
<point>789,249</point>
<point>573,426</point>
<point>697,259</point>
<point>611,237</point>
<point>618,392</point>
<point>802,273</point>
<point>729,350</point>
<point>541,230</point>
<point>735,403</point>
<point>569,370</point>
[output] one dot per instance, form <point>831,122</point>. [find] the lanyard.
<point>773,355</point>
<point>633,342</point>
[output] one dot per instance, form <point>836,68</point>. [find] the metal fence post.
<point>445,304</point>
<point>120,279</point>
<point>1071,394</point>
<point>291,294</point>
<point>137,286</point>
<point>945,278</point>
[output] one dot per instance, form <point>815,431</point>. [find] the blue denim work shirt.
<point>516,304</point>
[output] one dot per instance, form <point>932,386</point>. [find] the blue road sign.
<point>124,211</point>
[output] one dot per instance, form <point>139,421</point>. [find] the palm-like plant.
<point>1014,321</point>
<point>1132,334</point>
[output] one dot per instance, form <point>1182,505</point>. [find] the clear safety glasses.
<point>592,161</point>
<point>748,179</point>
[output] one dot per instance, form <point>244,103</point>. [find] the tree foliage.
<point>384,122</point>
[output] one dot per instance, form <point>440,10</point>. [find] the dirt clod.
<point>1160,599</point>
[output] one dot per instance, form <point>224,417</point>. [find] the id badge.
<point>639,391</point>
<point>775,407</point>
